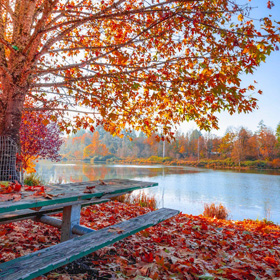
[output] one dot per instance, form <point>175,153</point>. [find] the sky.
<point>268,78</point>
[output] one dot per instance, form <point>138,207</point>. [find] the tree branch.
<point>30,109</point>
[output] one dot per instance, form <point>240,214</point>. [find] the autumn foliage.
<point>184,247</point>
<point>238,147</point>
<point>129,63</point>
<point>96,148</point>
<point>39,138</point>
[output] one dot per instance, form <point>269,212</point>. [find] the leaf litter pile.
<point>184,247</point>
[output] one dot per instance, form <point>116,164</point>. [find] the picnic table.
<point>69,199</point>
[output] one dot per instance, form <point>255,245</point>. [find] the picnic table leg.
<point>71,217</point>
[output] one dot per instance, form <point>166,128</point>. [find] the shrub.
<point>141,199</point>
<point>213,211</point>
<point>33,180</point>
<point>202,163</point>
<point>122,198</point>
<point>165,159</point>
<point>249,163</point>
<point>262,164</point>
<point>155,159</point>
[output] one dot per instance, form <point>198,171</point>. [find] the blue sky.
<point>268,78</point>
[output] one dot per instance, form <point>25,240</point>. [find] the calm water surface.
<point>246,195</point>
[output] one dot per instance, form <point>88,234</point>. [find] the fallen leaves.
<point>271,261</point>
<point>13,192</point>
<point>10,197</point>
<point>10,188</point>
<point>89,189</point>
<point>184,247</point>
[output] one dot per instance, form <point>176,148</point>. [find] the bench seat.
<point>20,215</point>
<point>45,260</point>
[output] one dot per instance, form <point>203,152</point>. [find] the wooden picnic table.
<point>68,193</point>
<point>68,199</point>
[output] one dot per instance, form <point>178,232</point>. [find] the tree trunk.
<point>11,109</point>
<point>10,120</point>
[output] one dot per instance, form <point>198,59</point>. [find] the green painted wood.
<point>43,261</point>
<point>68,193</point>
<point>47,210</point>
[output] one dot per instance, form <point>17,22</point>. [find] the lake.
<point>252,195</point>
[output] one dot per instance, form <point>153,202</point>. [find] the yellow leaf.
<point>240,17</point>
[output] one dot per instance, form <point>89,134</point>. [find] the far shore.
<point>259,165</point>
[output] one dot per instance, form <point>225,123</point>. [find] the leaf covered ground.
<point>184,247</point>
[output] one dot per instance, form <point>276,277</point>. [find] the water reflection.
<point>246,195</point>
<point>77,172</point>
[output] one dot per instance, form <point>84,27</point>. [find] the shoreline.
<point>227,164</point>
<point>211,164</point>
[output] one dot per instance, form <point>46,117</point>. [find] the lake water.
<point>246,195</point>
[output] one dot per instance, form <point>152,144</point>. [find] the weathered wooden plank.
<point>67,193</point>
<point>45,260</point>
<point>52,209</point>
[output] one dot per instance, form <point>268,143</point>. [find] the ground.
<point>184,247</point>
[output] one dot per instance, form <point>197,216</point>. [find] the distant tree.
<point>96,148</point>
<point>182,144</point>
<point>195,134</point>
<point>278,133</point>
<point>253,152</point>
<point>207,145</point>
<point>267,143</point>
<point>194,142</point>
<point>139,145</point>
<point>241,145</point>
<point>261,126</point>
<point>226,145</point>
<point>216,142</point>
<point>278,140</point>
<point>153,145</point>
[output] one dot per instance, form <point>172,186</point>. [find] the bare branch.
<point>30,109</point>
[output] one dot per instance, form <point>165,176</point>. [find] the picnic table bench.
<point>68,199</point>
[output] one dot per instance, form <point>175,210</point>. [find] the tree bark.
<point>11,108</point>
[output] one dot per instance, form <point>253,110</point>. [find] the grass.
<point>141,199</point>
<point>213,211</point>
<point>33,180</point>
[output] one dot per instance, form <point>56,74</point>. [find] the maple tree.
<point>38,140</point>
<point>128,62</point>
